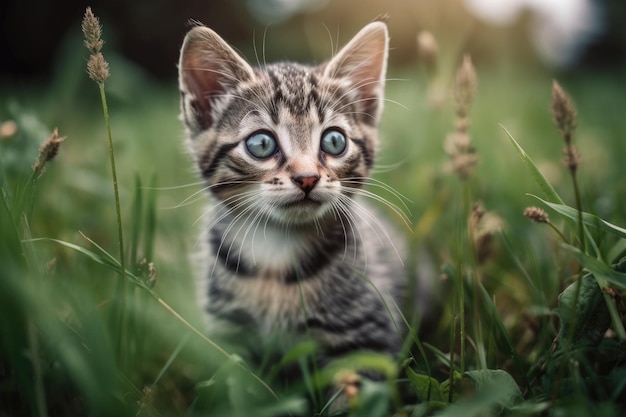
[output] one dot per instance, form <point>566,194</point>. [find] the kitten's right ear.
<point>208,67</point>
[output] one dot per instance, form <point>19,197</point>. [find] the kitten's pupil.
<point>333,142</point>
<point>261,145</point>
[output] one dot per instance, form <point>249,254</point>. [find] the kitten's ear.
<point>363,62</point>
<point>208,67</point>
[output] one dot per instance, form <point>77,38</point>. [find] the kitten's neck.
<point>267,244</point>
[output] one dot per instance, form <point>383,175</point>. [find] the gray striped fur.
<point>275,258</point>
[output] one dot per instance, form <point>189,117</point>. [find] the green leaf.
<point>446,386</point>
<point>588,315</point>
<point>106,260</point>
<point>486,379</point>
<point>361,361</point>
<point>427,388</point>
<point>541,181</point>
<point>588,218</point>
<point>373,399</point>
<point>597,268</point>
<point>496,318</point>
<point>493,391</point>
<point>306,349</point>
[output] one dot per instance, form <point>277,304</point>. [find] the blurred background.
<point>517,46</point>
<point>561,33</point>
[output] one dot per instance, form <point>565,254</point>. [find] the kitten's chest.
<point>271,251</point>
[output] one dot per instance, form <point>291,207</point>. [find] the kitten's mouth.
<point>305,203</point>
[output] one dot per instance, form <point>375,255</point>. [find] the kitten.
<point>285,149</point>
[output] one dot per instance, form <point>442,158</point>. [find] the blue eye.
<point>333,142</point>
<point>261,145</point>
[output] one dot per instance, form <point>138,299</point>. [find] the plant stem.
<point>40,392</point>
<point>579,207</point>
<point>581,232</point>
<point>558,232</point>
<point>121,291</point>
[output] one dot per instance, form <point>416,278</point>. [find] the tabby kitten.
<point>291,248</point>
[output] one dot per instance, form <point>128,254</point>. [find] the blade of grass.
<point>150,227</point>
<point>541,181</point>
<point>137,281</point>
<point>588,218</point>
<point>497,321</point>
<point>135,228</point>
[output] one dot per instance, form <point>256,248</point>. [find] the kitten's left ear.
<point>363,62</point>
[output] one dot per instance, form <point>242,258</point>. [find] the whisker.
<point>380,199</point>
<point>173,187</point>
<point>373,182</point>
<point>343,205</point>
<point>359,208</point>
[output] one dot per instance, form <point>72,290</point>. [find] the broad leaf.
<point>427,388</point>
<point>486,379</point>
<point>489,392</point>
<point>597,268</point>
<point>588,317</point>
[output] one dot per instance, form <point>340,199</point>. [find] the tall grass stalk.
<point>463,159</point>
<point>98,70</point>
<point>122,285</point>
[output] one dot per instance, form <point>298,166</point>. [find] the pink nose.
<point>305,182</point>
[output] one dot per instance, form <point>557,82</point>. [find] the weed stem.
<point>121,291</point>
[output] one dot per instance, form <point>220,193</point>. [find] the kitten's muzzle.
<point>305,182</point>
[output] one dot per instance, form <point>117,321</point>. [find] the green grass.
<point>60,333</point>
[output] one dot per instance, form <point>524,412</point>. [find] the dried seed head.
<point>482,225</point>
<point>465,86</point>
<point>463,165</point>
<point>536,215</point>
<point>98,68</point>
<point>47,152</point>
<point>563,112</point>
<point>458,143</point>
<point>478,211</point>
<point>148,272</point>
<point>92,31</point>
<point>462,124</point>
<point>427,50</point>
<point>571,157</point>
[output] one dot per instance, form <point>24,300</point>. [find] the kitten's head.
<point>286,141</point>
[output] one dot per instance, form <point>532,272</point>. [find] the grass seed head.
<point>47,152</point>
<point>92,31</point>
<point>536,215</point>
<point>563,112</point>
<point>465,86</point>
<point>98,68</point>
<point>427,50</point>
<point>571,157</point>
<point>482,226</point>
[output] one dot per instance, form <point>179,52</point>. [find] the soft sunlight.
<point>559,28</point>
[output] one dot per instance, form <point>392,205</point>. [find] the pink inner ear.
<point>208,68</point>
<point>202,82</point>
<point>363,62</point>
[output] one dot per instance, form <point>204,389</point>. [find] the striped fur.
<point>279,256</point>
